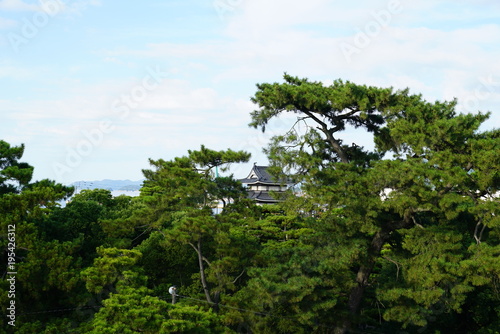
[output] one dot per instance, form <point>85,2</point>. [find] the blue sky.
<point>94,88</point>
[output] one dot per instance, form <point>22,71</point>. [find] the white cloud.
<point>14,72</point>
<point>176,94</point>
<point>52,7</point>
<point>17,5</point>
<point>79,7</point>
<point>7,23</point>
<point>428,60</point>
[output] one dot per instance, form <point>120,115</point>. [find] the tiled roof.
<point>261,196</point>
<point>259,174</point>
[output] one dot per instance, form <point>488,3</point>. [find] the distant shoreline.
<point>111,185</point>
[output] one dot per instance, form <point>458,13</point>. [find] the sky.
<point>95,88</point>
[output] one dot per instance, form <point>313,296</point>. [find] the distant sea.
<point>112,185</point>
<point>117,187</point>
<point>131,193</point>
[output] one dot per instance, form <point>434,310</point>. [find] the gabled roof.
<point>259,174</point>
<point>262,197</point>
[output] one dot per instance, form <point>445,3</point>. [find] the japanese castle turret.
<point>260,184</point>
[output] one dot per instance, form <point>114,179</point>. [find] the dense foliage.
<point>401,238</point>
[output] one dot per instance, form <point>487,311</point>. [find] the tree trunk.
<point>202,273</point>
<point>362,278</point>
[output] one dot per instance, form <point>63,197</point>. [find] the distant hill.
<point>125,185</point>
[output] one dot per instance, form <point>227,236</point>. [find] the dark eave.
<point>262,196</point>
